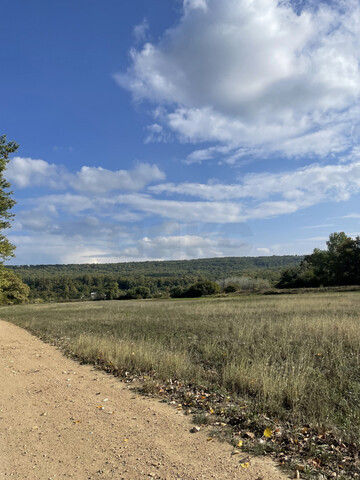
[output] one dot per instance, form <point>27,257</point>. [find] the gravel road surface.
<point>60,419</point>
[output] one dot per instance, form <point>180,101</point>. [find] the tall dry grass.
<point>292,357</point>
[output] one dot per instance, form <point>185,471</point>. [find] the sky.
<point>178,129</point>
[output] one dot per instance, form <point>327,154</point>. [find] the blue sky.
<point>171,129</point>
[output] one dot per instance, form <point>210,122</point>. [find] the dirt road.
<point>59,419</point>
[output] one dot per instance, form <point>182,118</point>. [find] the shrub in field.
<point>205,287</point>
<point>231,288</point>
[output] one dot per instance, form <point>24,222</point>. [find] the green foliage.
<point>12,289</point>
<point>138,292</point>
<point>231,288</point>
<point>338,265</point>
<point>118,280</point>
<point>200,289</point>
<point>211,268</point>
<point>6,202</point>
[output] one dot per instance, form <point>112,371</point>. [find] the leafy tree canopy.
<point>338,265</point>
<point>12,289</point>
<point>6,201</point>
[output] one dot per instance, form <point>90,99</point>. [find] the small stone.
<point>195,430</point>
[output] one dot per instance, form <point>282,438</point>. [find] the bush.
<point>205,287</point>
<point>138,292</point>
<point>231,288</point>
<point>177,292</point>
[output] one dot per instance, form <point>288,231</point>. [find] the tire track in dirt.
<point>52,426</point>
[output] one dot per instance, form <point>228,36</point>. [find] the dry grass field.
<point>293,358</point>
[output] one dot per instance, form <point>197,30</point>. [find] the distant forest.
<point>144,279</point>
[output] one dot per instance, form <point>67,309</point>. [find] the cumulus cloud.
<point>256,74</point>
<point>28,172</point>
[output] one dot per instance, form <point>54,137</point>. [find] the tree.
<point>6,202</point>
<point>12,289</point>
<point>338,265</point>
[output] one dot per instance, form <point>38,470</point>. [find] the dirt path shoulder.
<point>60,419</point>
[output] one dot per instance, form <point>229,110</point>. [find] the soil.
<point>60,419</point>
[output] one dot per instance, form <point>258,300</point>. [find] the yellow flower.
<point>268,433</point>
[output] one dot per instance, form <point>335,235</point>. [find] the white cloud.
<point>99,180</point>
<point>194,5</point>
<point>156,133</point>
<point>263,251</point>
<point>188,246</point>
<point>325,225</point>
<point>257,196</point>
<point>47,248</point>
<point>352,215</point>
<point>140,31</point>
<point>255,74</point>
<point>207,212</point>
<point>28,172</point>
<point>67,202</point>
<point>310,184</point>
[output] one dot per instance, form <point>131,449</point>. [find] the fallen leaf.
<point>245,465</point>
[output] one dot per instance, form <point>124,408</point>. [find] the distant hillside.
<point>213,268</point>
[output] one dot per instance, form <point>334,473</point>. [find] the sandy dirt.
<point>51,425</point>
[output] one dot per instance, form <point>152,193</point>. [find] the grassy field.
<point>293,358</point>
